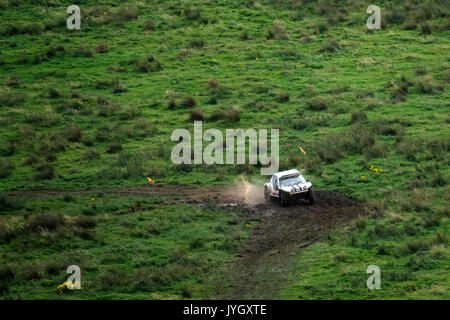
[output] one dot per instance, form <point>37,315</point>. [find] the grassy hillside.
<point>95,108</point>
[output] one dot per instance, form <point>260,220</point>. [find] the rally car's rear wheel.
<point>310,197</point>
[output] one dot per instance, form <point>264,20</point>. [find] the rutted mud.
<point>268,255</point>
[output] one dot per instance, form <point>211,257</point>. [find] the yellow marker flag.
<point>302,151</point>
<point>151,180</point>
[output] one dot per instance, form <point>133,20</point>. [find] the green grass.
<point>149,253</point>
<point>275,62</point>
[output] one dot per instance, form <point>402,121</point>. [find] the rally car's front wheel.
<point>283,199</point>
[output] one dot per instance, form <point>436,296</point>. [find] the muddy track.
<point>269,253</point>
<point>222,194</point>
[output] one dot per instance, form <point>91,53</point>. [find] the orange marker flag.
<point>302,151</point>
<point>151,180</point>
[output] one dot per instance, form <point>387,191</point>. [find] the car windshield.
<point>291,180</point>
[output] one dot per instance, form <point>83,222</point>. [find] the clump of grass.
<point>84,51</point>
<point>33,28</point>
<point>102,84</point>
<point>114,147</point>
<point>184,53</point>
<point>425,28</point>
<point>73,133</point>
<point>386,128</point>
<point>9,204</point>
<point>214,88</point>
<point>6,233</point>
<point>438,251</point>
<point>195,114</point>
<point>52,142</point>
<point>7,273</point>
<point>31,159</point>
<point>51,52</point>
<point>357,139</point>
<point>421,71</point>
<point>11,99</point>
<point>11,29</point>
<point>177,255</point>
<point>112,278</point>
<point>340,88</point>
<point>410,24</point>
<point>361,223</point>
<point>144,128</point>
<point>196,43</point>
<point>87,141</point>
<point>186,291</point>
<point>192,13</point>
<point>53,93</point>
<point>85,222</point>
<point>317,104</point>
<point>130,113</point>
<point>188,102</point>
<point>44,221</point>
<point>358,116</point>
<point>126,13</point>
<point>230,114</point>
<point>90,154</point>
<point>102,47</point>
<point>305,121</point>
<point>149,25</point>
<point>322,27</point>
<point>426,84</point>
<point>394,15</point>
<point>103,133</point>
<point>332,45</point>
<point>400,89</point>
<point>377,150</point>
<point>244,36</point>
<point>446,75</point>
<point>117,86</point>
<point>328,149</point>
<point>149,64</point>
<point>44,171</point>
<point>283,96</point>
<point>46,119</point>
<point>196,243</point>
<point>340,257</point>
<point>12,81</point>
<point>53,268</point>
<point>277,31</point>
<point>8,148</point>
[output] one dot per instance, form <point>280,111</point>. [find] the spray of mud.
<point>251,193</point>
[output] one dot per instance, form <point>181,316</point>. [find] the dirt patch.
<point>269,253</point>
<point>219,194</point>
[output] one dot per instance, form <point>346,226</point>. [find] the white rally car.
<point>288,185</point>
